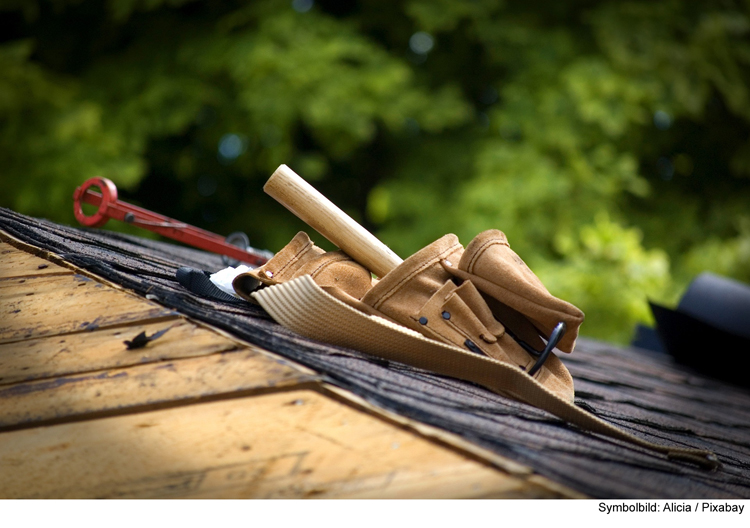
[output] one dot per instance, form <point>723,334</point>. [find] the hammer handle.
<point>302,199</point>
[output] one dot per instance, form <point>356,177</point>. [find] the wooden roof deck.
<point>204,412</point>
<point>196,413</point>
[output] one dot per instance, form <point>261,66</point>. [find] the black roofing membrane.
<point>643,392</point>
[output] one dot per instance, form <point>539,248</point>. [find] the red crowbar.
<point>110,207</point>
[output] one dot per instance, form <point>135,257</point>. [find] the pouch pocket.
<point>301,257</point>
<point>498,272</point>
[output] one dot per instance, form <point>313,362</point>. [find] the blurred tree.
<point>609,140</point>
<point>611,144</point>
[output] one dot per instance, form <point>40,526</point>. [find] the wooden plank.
<point>288,445</point>
<point>55,305</point>
<point>63,355</point>
<point>154,384</point>
<point>17,263</point>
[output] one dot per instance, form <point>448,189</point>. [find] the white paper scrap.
<point>223,278</point>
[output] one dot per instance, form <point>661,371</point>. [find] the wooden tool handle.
<point>318,212</point>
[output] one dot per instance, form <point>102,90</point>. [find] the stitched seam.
<point>529,299</point>
<point>424,266</point>
<point>463,333</point>
<point>465,287</point>
<point>484,247</point>
<point>295,257</point>
<point>435,331</point>
<point>337,258</point>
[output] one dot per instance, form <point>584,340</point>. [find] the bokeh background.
<point>609,140</point>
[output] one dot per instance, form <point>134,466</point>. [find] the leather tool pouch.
<point>301,257</point>
<point>469,299</point>
<point>515,294</point>
<point>436,292</point>
<point>421,294</point>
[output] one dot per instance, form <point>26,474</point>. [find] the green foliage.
<point>615,155</point>
<point>605,265</point>
<point>609,140</point>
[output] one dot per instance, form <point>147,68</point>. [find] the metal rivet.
<point>268,274</point>
<point>423,320</point>
<point>446,315</point>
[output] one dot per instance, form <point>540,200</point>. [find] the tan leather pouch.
<point>336,269</point>
<point>301,257</point>
<point>520,299</point>
<point>420,294</point>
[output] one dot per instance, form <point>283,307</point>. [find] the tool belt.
<point>484,299</point>
<point>478,314</point>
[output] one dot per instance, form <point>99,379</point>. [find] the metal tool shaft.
<point>108,206</point>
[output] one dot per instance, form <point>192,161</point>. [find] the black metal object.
<point>557,334</point>
<point>695,343</point>
<point>239,239</point>
<point>713,315</point>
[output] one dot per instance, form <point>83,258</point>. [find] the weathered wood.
<point>153,384</point>
<point>17,263</point>
<point>72,374</point>
<point>291,445</point>
<point>62,355</point>
<point>39,306</point>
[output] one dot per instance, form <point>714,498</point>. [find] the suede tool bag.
<point>445,310</point>
<point>301,257</point>
<point>499,273</point>
<point>421,294</point>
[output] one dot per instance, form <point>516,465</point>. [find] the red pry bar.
<point>108,206</point>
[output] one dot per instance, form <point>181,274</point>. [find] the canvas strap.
<point>307,309</point>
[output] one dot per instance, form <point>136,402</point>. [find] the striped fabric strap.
<point>302,306</point>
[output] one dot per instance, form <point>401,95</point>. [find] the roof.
<point>642,392</point>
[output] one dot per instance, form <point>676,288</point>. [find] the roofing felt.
<point>645,393</point>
